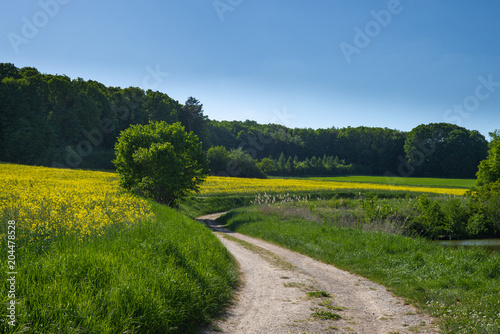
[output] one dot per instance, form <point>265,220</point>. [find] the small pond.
<point>490,244</point>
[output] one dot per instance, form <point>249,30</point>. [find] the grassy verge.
<point>166,275</point>
<point>460,286</point>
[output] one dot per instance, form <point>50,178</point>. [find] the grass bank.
<point>92,259</point>
<point>459,286</point>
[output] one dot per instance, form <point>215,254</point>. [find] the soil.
<point>286,292</point>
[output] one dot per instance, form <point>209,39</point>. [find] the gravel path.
<point>286,292</point>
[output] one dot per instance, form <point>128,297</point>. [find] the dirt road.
<point>286,292</point>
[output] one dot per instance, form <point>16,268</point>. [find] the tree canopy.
<point>163,161</point>
<point>444,150</point>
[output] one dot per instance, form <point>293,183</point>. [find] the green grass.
<point>318,294</point>
<point>169,275</point>
<point>408,181</point>
<point>459,286</point>
<point>325,315</point>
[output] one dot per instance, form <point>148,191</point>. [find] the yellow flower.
<point>234,186</point>
<point>46,202</point>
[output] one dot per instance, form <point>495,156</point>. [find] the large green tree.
<point>444,150</point>
<point>162,161</point>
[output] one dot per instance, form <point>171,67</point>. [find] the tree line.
<point>53,120</point>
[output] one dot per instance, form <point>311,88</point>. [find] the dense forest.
<point>53,120</point>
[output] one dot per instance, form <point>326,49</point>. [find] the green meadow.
<point>408,181</point>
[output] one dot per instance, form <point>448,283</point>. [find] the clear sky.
<point>316,63</point>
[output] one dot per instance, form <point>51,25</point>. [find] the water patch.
<point>490,244</point>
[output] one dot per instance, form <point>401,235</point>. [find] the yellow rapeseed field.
<point>234,186</point>
<point>47,202</point>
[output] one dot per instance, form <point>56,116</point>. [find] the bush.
<point>235,163</point>
<point>163,161</point>
<point>431,219</point>
<point>218,158</point>
<point>243,165</point>
<point>484,206</point>
<point>489,169</point>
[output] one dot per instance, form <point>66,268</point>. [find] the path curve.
<point>280,288</point>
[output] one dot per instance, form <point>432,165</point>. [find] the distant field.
<point>230,186</point>
<point>407,181</point>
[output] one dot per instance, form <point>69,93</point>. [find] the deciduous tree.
<point>162,161</point>
<point>444,150</point>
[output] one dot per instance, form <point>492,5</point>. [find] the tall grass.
<point>460,286</point>
<point>164,275</point>
<point>435,217</point>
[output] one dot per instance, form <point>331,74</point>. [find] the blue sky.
<point>317,64</point>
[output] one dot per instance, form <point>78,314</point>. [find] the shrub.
<point>489,169</point>
<point>163,161</point>
<point>218,158</point>
<point>235,162</point>
<point>484,206</point>
<point>431,219</point>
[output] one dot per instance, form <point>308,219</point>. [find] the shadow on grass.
<point>234,222</point>
<point>218,225</point>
